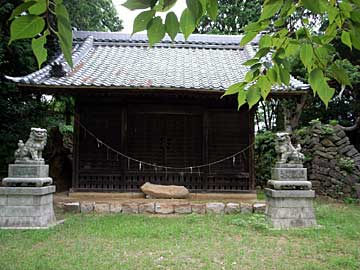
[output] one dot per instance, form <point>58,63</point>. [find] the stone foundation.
<point>290,208</point>
<point>26,207</point>
<point>163,207</point>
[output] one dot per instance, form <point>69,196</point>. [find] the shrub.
<point>265,156</point>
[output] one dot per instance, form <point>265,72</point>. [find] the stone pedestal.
<point>28,174</point>
<point>26,207</point>
<point>290,198</point>
<point>290,208</point>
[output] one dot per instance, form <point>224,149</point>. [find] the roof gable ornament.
<point>57,70</point>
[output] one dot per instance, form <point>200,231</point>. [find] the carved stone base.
<point>26,207</point>
<point>289,174</point>
<point>287,209</point>
<point>27,182</point>
<point>25,174</point>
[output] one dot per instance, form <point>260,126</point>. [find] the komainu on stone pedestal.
<point>289,195</point>
<point>29,168</point>
<point>26,200</point>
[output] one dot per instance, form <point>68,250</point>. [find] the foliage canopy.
<point>283,37</point>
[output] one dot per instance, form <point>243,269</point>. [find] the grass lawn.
<point>186,242</point>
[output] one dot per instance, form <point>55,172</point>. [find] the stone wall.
<point>163,207</point>
<point>333,162</point>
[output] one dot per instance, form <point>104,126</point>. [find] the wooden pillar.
<point>205,147</point>
<point>252,180</point>
<point>75,173</point>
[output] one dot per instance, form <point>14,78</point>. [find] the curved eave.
<point>113,90</point>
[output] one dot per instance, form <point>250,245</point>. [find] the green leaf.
<point>253,27</point>
<point>187,23</point>
<point>265,41</point>
<point>323,55</point>
<point>64,32</point>
<point>251,62</point>
<point>253,96</point>
<point>26,27</point>
<point>284,75</point>
<point>212,9</point>
<point>355,15</point>
<point>249,76</point>
<point>315,77</point>
<point>142,20</point>
<point>172,25</point>
<point>292,49</point>
<point>164,5</point>
<point>332,13</point>
<point>21,8</point>
<point>37,45</point>
<point>137,4</point>
<point>272,75</point>
<point>249,36</point>
<point>39,8</point>
<point>306,55</point>
<point>156,30</point>
<point>195,8</point>
<point>320,86</point>
<point>241,98</point>
<point>339,73</point>
<point>270,8</point>
<point>262,52</point>
<point>355,38</point>
<point>346,39</point>
<point>233,89</point>
<point>265,86</point>
<point>312,5</point>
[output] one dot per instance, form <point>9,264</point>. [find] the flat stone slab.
<point>289,185</point>
<point>73,207</point>
<point>130,208</point>
<point>115,208</point>
<point>198,208</point>
<point>147,208</point>
<point>289,174</point>
<point>215,208</point>
<point>27,190</point>
<point>232,208</point>
<point>87,207</point>
<point>289,193</point>
<point>102,208</point>
<point>246,208</point>
<point>164,191</point>
<point>164,208</point>
<point>38,182</point>
<point>288,165</point>
<point>182,208</point>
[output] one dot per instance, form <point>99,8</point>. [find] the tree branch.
<point>353,127</point>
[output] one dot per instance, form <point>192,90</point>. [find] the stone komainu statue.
<point>286,152</point>
<point>32,149</point>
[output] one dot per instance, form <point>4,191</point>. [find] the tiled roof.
<point>211,62</point>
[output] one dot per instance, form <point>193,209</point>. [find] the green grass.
<point>186,242</point>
